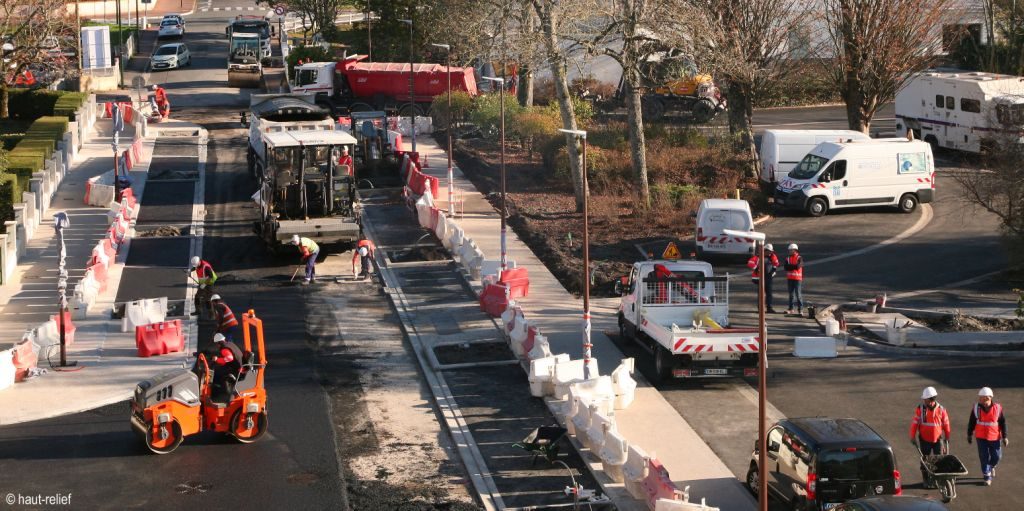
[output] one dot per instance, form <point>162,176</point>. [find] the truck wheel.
<point>662,364</point>
<point>652,108</point>
<point>817,207</point>
<point>410,109</point>
<point>934,142</point>
<point>622,329</point>
<point>753,479</point>
<point>360,107</point>
<point>908,203</point>
<point>703,111</point>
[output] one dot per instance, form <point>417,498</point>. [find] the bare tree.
<point>745,42</point>
<point>33,31</point>
<point>876,45</point>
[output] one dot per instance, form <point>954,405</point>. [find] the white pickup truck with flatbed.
<point>679,312</point>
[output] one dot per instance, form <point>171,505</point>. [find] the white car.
<point>171,56</point>
<point>170,27</point>
<point>176,17</point>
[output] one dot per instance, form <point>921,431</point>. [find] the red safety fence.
<point>69,327</point>
<point>494,299</point>
<point>518,281</point>
<point>159,338</point>
<point>658,484</point>
<point>25,356</point>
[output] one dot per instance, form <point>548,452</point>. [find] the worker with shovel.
<point>204,277</point>
<point>309,250</point>
<point>364,254</point>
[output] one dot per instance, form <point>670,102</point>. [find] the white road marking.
<point>771,413</point>
<point>954,285</point>
<point>926,217</point>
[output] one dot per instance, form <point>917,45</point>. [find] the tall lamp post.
<point>762,373</point>
<point>582,134</point>
<point>451,177</point>
<point>369,33</point>
<point>412,85</point>
<point>504,253</point>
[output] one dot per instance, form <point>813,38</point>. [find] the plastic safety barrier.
<point>658,484</point>
<point>99,190</point>
<point>531,338</point>
<point>634,471</point>
<point>565,374</point>
<point>814,347</point>
<point>623,384</point>
<point>542,372</point>
<point>517,336</point>
<point>580,421</point>
<point>441,227</point>
<point>25,357</point>
<point>159,338</point>
<point>144,312</point>
<point>453,235</point>
<point>492,267</point>
<point>48,333</point>
<point>600,425</point>
<point>541,348</point>
<point>7,369</point>
<point>99,272</point>
<point>494,300</point>
<point>597,391</point>
<point>518,280</point>
<point>613,455</point>
<point>512,314</point>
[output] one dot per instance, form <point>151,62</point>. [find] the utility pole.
<point>412,84</point>
<point>587,345</point>
<point>451,173</point>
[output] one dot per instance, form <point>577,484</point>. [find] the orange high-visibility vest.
<point>930,424</point>
<point>227,318</point>
<point>797,274</point>
<point>987,427</point>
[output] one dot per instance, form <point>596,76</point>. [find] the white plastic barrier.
<point>567,413</point>
<point>831,327</point>
<point>466,250</point>
<point>542,372</point>
<point>511,315</point>
<point>613,455</point>
<point>441,229</point>
<point>634,471</point>
<point>143,312</point>
<point>541,348</point>
<point>86,291</point>
<point>580,421</point>
<point>46,334</point>
<point>423,210</point>
<point>101,255</point>
<point>7,369</point>
<point>518,335</point>
<point>598,391</point>
<point>99,190</point>
<point>493,267</point>
<point>600,425</point>
<point>623,384</point>
<point>455,237</point>
<point>814,347</point>
<point>565,374</point>
<point>682,505</point>
<point>473,267</point>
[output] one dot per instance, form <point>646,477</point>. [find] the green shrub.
<point>30,105</point>
<point>8,196</point>
<point>462,103</point>
<point>23,165</point>
<point>68,104</point>
<point>43,146</point>
<point>533,127</point>
<point>314,53</point>
<point>486,114</point>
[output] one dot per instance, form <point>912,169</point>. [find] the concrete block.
<point>814,347</point>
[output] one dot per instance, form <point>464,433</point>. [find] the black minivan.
<point>817,463</point>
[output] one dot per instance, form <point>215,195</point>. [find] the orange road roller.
<point>179,403</point>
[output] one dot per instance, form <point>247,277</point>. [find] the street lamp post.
<point>762,373</point>
<point>501,94</point>
<point>412,85</point>
<point>369,33</point>
<point>587,345</point>
<point>451,176</point>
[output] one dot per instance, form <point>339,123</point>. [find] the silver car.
<point>170,27</point>
<point>171,56</point>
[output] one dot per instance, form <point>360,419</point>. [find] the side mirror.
<point>693,214</point>
<point>773,446</point>
<point>618,288</point>
<point>244,118</point>
<point>620,285</point>
<point>825,178</point>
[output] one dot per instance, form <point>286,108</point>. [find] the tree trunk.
<point>553,45</point>
<point>4,98</point>
<point>637,143</point>
<point>525,89</point>
<point>741,113</point>
<point>859,108</point>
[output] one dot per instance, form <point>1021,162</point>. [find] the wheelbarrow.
<point>942,471</point>
<point>543,441</point>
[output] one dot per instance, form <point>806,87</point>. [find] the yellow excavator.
<point>672,83</point>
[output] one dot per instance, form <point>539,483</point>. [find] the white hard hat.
<point>295,239</point>
<point>929,392</point>
<point>195,261</point>
<point>219,338</point>
<point>792,246</point>
<point>214,298</point>
<point>769,247</point>
<point>985,392</point>
<point>363,251</point>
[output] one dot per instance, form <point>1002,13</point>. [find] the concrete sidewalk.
<point>108,367</point>
<point>650,422</point>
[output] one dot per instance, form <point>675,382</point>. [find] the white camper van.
<point>959,110</point>
<point>886,171</point>
<point>716,215</point>
<point>781,150</point>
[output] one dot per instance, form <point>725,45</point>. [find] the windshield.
<point>167,23</point>
<point>855,465</point>
<point>808,167</point>
<point>307,76</point>
<point>166,50</point>
<point>261,28</point>
<point>239,46</point>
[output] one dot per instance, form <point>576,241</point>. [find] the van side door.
<point>772,463</point>
<point>835,180</point>
<point>631,301</point>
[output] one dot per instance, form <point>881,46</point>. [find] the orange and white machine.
<point>176,404</point>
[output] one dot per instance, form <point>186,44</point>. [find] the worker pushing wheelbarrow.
<point>941,471</point>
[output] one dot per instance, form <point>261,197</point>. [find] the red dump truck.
<point>352,85</point>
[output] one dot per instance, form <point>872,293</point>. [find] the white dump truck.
<point>679,312</point>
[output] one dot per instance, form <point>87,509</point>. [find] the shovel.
<point>295,273</point>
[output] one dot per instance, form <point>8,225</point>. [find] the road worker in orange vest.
<point>795,279</point>
<point>363,254</point>
<point>929,429</point>
<point>771,264</point>
<point>988,425</point>
<point>226,322</point>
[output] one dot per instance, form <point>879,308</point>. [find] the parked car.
<point>714,216</point>
<point>176,17</point>
<point>781,150</point>
<point>818,463</point>
<point>892,503</point>
<point>171,28</point>
<point>171,56</point>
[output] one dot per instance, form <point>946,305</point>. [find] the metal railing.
<point>685,291</point>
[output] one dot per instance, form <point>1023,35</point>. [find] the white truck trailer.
<point>962,110</point>
<point>679,312</point>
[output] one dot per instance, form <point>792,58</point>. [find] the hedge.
<point>28,155</point>
<point>68,104</point>
<point>8,196</point>
<point>29,105</point>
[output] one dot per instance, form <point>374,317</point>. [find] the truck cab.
<point>679,312</point>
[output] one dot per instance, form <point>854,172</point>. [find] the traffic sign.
<point>671,252</point>
<point>280,10</point>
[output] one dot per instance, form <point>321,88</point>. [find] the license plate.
<point>716,246</point>
<point>716,371</point>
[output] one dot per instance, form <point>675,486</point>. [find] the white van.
<point>781,150</point>
<point>881,172</point>
<point>715,215</point>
